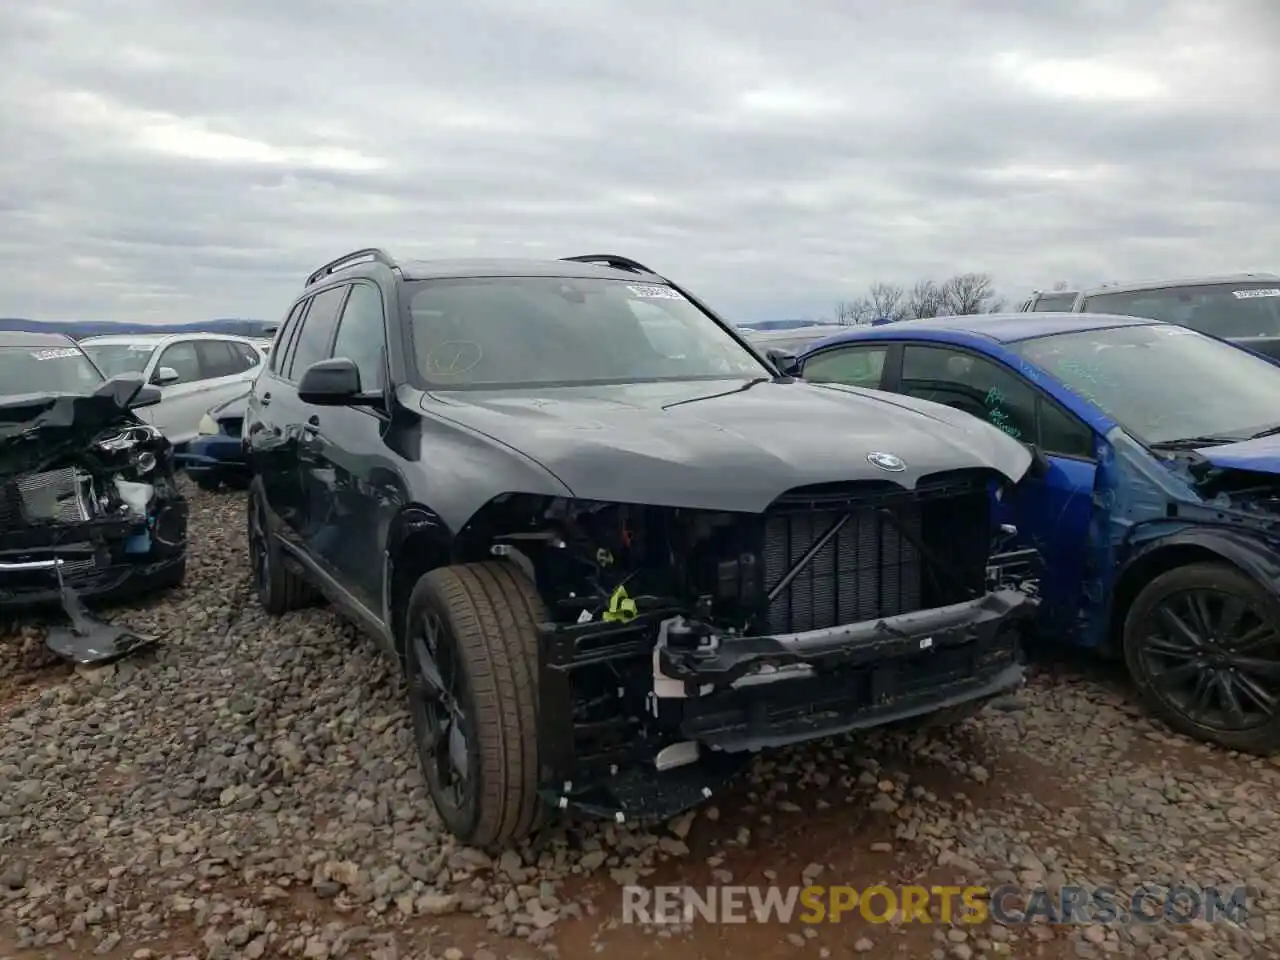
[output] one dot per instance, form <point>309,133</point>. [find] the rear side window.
<point>219,359</point>
<point>249,357</point>
<point>317,330</point>
<point>280,348</point>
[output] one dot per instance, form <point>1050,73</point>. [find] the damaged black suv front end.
<point>683,641</point>
<point>88,502</point>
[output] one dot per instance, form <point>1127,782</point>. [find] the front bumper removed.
<point>716,698</point>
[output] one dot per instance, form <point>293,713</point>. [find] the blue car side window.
<point>973,384</point>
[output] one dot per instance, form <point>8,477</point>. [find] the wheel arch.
<point>1242,551</point>
<point>419,540</point>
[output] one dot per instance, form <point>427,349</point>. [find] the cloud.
<point>181,160</point>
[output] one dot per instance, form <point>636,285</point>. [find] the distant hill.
<point>79,329</point>
<point>783,324</point>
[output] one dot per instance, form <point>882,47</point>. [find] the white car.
<point>194,371</point>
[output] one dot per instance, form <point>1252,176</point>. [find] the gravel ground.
<point>248,790</point>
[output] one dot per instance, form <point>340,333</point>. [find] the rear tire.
<point>1203,639</point>
<point>476,625</point>
<point>279,589</point>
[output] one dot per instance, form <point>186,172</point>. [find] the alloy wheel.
<point>436,707</point>
<point>1214,657</point>
<point>259,552</point>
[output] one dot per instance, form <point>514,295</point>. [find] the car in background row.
<point>194,371</point>
<point>573,505</point>
<point>88,504</point>
<point>1156,506</point>
<point>1243,308</point>
<point>216,456</point>
<point>1048,301</point>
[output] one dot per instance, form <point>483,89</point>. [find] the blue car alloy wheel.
<point>1202,642</point>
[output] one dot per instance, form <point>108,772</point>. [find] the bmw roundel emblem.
<point>887,461</point>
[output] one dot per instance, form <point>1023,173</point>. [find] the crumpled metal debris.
<point>88,640</point>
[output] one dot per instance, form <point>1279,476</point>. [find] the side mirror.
<point>784,360</point>
<point>165,375</point>
<point>130,391</point>
<point>331,383</point>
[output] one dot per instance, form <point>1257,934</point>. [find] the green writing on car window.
<point>997,415</point>
<point>1083,378</point>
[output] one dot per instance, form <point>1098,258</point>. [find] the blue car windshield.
<point>494,332</point>
<point>1163,383</point>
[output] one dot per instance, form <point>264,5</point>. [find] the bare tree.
<point>967,293</point>
<point>1061,285</point>
<point>851,313</point>
<point>888,301</point>
<point>926,299</point>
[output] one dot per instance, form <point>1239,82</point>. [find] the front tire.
<point>471,662</point>
<point>1202,644</point>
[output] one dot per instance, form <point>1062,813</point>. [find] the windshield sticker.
<point>654,292</point>
<point>1250,294</point>
<point>58,354</point>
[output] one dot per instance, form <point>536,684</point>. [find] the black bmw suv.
<point>613,548</point>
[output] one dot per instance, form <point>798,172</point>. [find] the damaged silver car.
<point>88,504</point>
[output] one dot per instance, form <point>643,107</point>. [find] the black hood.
<point>36,429</point>
<point>719,446</point>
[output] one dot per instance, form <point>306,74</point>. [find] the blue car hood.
<point>1261,455</point>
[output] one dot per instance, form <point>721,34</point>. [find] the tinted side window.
<point>856,366</point>
<point>281,345</point>
<point>183,358</point>
<point>312,342</point>
<point>361,335</point>
<point>249,357</point>
<point>217,359</point>
<point>973,384</point>
<point>1061,433</point>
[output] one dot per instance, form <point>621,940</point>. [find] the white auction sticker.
<point>654,292</point>
<point>1260,292</point>
<point>55,354</point>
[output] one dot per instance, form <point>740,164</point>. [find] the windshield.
<point>46,370</point>
<point>1219,309</point>
<point>113,359</point>
<point>1050,302</point>
<point>530,331</point>
<point>1163,383</point>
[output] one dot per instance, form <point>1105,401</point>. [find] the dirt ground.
<point>248,791</point>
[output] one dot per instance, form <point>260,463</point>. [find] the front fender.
<point>1246,549</point>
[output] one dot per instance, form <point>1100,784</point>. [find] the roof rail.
<point>613,260</point>
<point>371,253</point>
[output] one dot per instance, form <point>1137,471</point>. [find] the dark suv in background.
<point>614,549</point>
<point>1243,308</point>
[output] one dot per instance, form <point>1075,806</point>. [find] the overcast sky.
<point>185,159</point>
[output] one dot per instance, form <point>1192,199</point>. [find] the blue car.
<point>216,456</point>
<point>1154,498</point>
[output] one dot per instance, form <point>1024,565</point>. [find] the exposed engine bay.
<point>88,509</point>
<point>682,641</point>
